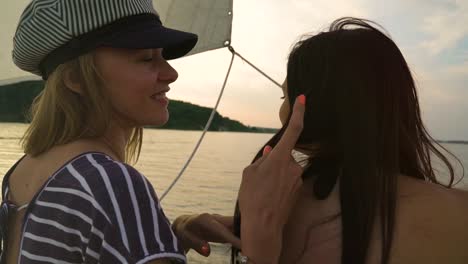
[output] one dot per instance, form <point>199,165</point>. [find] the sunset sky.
<point>432,34</point>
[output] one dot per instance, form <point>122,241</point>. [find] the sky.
<point>432,35</point>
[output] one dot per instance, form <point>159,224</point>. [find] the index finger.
<point>293,131</point>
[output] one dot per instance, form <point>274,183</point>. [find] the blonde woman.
<point>73,198</point>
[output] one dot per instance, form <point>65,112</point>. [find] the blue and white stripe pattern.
<point>97,210</point>
<point>46,25</point>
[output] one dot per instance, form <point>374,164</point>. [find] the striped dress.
<point>96,210</point>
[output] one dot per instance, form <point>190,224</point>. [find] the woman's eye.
<point>283,97</point>
<point>148,59</point>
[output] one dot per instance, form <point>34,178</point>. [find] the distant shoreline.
<point>453,142</point>
<point>258,130</point>
<point>461,142</point>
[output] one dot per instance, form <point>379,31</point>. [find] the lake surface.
<point>211,181</point>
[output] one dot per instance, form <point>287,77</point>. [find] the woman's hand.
<point>195,231</point>
<point>268,191</point>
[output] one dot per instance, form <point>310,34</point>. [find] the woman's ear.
<point>72,81</point>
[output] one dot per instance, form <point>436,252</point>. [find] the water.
<point>209,184</point>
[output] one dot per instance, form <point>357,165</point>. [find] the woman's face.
<point>284,109</point>
<point>136,82</point>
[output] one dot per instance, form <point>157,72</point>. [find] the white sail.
<point>210,19</point>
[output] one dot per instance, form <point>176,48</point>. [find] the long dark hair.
<point>363,111</point>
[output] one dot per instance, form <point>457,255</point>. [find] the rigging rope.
<point>255,67</point>
<point>213,112</point>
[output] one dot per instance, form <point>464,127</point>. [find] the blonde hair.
<point>59,115</point>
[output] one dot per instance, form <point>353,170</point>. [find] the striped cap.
<point>52,32</point>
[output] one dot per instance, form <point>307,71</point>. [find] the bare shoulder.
<point>430,197</point>
<point>431,223</point>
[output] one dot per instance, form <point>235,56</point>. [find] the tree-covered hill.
<point>16,98</point>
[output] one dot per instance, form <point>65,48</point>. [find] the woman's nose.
<point>167,73</point>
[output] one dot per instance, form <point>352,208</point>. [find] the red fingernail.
<point>205,249</point>
<point>266,150</point>
<point>302,99</point>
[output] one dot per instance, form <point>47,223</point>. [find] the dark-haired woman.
<point>74,197</point>
<point>370,192</point>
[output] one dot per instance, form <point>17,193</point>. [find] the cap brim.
<point>175,43</point>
